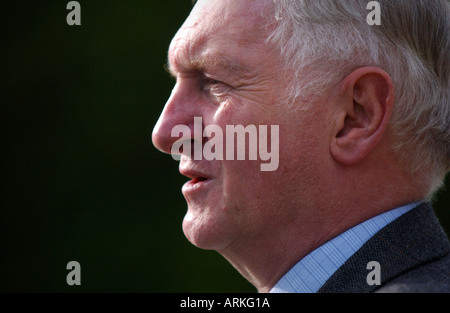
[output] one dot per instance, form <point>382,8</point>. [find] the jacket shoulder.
<point>431,277</point>
<point>413,252</point>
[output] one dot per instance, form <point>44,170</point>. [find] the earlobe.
<point>364,104</point>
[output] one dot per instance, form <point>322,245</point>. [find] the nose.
<point>180,109</point>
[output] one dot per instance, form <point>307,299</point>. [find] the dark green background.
<point>81,179</point>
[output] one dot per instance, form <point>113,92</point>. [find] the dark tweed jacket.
<point>414,256</point>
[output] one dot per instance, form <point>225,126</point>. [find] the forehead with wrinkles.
<point>229,23</point>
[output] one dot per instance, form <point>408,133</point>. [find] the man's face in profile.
<point>227,75</point>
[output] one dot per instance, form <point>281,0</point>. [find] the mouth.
<point>198,181</point>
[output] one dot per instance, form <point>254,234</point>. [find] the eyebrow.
<point>211,63</point>
<point>169,69</point>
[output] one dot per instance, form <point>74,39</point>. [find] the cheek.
<point>249,194</point>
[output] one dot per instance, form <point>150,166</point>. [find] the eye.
<point>208,83</point>
<point>214,87</point>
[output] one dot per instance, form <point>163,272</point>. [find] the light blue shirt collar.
<point>311,273</point>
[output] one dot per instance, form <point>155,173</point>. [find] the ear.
<point>364,101</point>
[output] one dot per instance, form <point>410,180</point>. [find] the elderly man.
<point>364,140</point>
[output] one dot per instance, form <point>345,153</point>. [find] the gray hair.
<point>323,41</point>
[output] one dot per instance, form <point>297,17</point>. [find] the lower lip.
<point>195,186</point>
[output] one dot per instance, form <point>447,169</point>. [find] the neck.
<point>265,258</point>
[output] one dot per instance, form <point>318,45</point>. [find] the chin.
<point>206,233</point>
